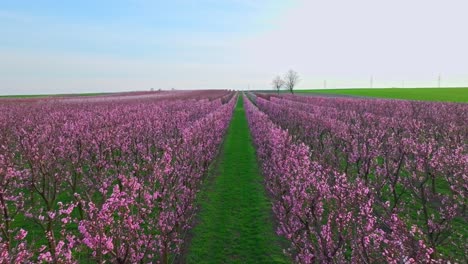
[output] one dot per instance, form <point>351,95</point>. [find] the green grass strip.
<point>235,221</point>
<point>423,94</point>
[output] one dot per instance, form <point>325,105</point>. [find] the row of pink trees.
<point>112,180</point>
<point>412,154</point>
<point>354,185</point>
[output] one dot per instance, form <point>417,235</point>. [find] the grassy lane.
<point>235,224</point>
<point>429,94</point>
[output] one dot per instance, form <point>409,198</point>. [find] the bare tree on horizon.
<point>278,83</point>
<point>291,79</point>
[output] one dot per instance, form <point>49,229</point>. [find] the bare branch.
<point>277,83</point>
<point>291,79</point>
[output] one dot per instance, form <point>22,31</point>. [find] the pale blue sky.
<point>93,46</point>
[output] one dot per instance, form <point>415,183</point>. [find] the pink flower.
<point>21,234</point>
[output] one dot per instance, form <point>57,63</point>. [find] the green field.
<point>427,94</point>
<point>235,221</point>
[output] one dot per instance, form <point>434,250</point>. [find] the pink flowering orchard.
<point>109,179</point>
<point>364,181</point>
<point>117,178</point>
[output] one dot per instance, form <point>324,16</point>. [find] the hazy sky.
<point>96,46</point>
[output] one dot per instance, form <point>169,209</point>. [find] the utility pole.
<point>372,81</point>
<point>325,84</point>
<point>439,80</point>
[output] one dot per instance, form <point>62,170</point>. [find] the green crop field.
<point>429,94</point>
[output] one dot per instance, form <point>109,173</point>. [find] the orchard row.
<point>105,179</point>
<point>364,181</point>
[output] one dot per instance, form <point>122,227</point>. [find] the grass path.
<point>235,224</point>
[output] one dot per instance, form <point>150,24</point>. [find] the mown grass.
<point>235,220</point>
<point>425,94</point>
